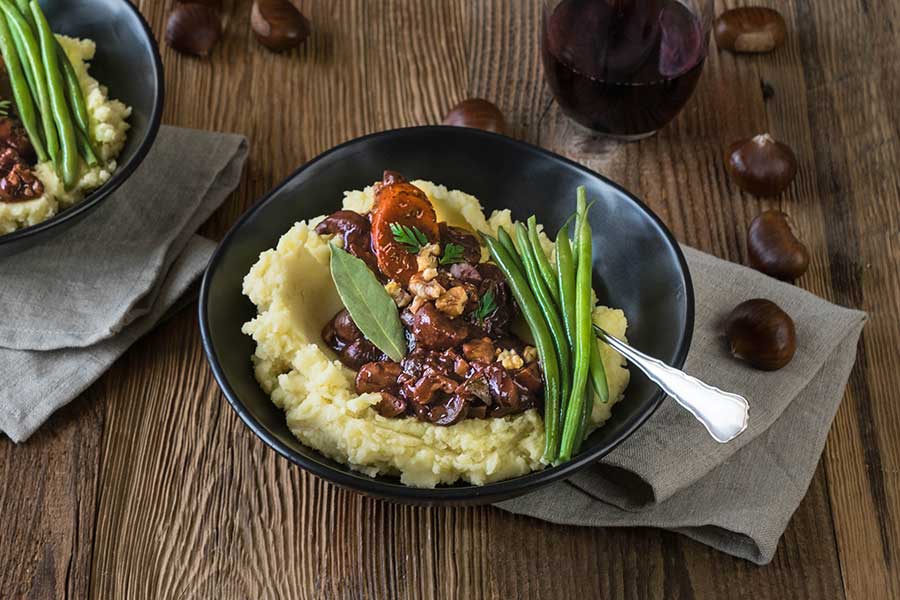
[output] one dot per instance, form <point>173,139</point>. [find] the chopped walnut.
<point>429,273</point>
<point>427,257</point>
<point>510,360</point>
<point>453,301</point>
<point>417,303</point>
<point>400,297</point>
<point>419,286</point>
<point>530,354</point>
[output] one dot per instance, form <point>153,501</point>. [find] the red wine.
<point>622,67</point>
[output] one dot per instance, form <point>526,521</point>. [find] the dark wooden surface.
<point>148,486</point>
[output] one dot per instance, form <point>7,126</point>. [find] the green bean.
<point>510,247</point>
<point>30,52</point>
<point>551,314</point>
<point>542,262</point>
<point>20,51</point>
<point>598,375</point>
<point>543,341</point>
<point>565,270</point>
<point>583,334</point>
<point>599,390</point>
<point>79,108</point>
<point>565,267</point>
<point>22,94</point>
<point>87,151</point>
<point>73,91</point>
<point>61,115</point>
<point>22,5</point>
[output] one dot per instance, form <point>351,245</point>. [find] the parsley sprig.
<point>486,307</point>
<point>453,253</point>
<point>411,237</point>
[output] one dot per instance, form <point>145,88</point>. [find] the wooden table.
<point>148,486</point>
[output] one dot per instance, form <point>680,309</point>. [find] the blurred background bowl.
<point>127,62</point>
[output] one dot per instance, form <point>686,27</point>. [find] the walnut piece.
<point>530,354</point>
<point>420,287</point>
<point>400,297</point>
<point>417,303</point>
<point>453,301</point>
<point>427,257</point>
<point>510,360</point>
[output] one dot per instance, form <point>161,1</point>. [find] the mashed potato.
<point>292,288</point>
<point>108,130</point>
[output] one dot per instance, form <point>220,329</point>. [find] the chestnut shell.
<point>278,25</point>
<point>751,29</point>
<point>773,249</point>
<point>761,165</point>
<point>477,113</point>
<point>762,334</point>
<point>193,28</point>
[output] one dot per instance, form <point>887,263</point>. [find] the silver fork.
<point>725,415</point>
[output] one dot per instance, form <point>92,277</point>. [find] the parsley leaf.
<point>411,237</point>
<point>486,307</point>
<point>453,253</point>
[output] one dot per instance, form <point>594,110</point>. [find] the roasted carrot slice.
<point>399,202</point>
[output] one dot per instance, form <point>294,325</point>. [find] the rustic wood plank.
<point>47,501</point>
<point>850,61</point>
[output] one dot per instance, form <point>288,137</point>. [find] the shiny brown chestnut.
<point>477,113</point>
<point>193,28</point>
<point>278,25</point>
<point>761,165</point>
<point>750,29</point>
<point>773,249</point>
<point>762,334</point>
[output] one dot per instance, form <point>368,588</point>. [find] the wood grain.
<point>148,486</point>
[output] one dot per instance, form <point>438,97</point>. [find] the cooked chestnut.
<point>750,29</point>
<point>193,28</point>
<point>761,165</point>
<point>390,406</point>
<point>773,249</point>
<point>278,25</point>
<point>477,113</point>
<point>762,334</point>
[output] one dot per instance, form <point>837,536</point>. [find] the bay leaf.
<point>370,306</point>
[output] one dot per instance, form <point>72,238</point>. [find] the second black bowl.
<point>638,267</point>
<point>127,62</point>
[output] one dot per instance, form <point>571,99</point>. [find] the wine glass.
<point>624,68</point>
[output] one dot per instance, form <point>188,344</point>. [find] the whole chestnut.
<point>750,29</point>
<point>762,334</point>
<point>761,165</point>
<point>477,113</point>
<point>193,28</point>
<point>773,249</point>
<point>278,25</point>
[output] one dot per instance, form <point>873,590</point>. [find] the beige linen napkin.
<point>72,305</point>
<point>735,497</point>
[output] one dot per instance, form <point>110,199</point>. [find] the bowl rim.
<point>123,172</point>
<point>459,493</point>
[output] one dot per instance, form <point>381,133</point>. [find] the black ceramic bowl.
<point>127,62</point>
<point>637,267</point>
